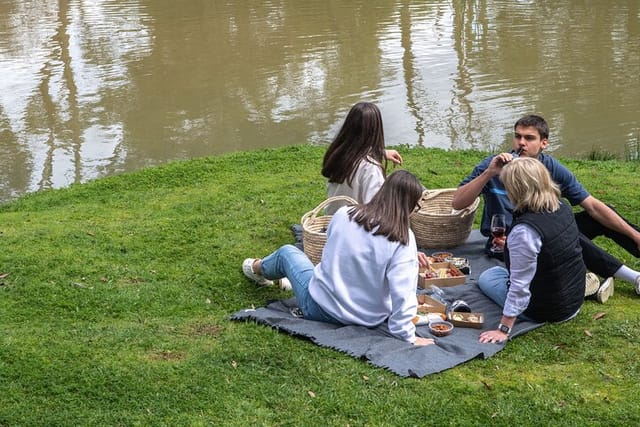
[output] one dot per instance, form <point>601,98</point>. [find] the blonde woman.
<point>544,278</point>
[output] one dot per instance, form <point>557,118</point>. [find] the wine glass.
<point>498,230</point>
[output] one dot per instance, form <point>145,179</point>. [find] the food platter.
<point>440,274</point>
<point>466,320</point>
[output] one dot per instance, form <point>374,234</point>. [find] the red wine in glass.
<point>498,230</point>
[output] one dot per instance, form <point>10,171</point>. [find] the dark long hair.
<point>390,208</point>
<point>361,137</point>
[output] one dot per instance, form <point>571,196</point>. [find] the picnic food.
<point>441,273</point>
<point>469,317</point>
<point>441,256</point>
<point>466,320</point>
<point>440,329</point>
<point>420,320</point>
<point>461,264</point>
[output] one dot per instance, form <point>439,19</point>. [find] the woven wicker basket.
<point>437,226</point>
<point>314,228</point>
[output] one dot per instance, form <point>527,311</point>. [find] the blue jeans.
<point>493,283</point>
<point>292,263</point>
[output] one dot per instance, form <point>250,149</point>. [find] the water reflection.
<point>92,88</point>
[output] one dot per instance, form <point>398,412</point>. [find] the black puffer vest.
<point>557,289</point>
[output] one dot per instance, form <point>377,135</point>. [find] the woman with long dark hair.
<point>356,161</point>
<point>368,272</point>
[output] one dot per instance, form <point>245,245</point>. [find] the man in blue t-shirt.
<point>597,219</point>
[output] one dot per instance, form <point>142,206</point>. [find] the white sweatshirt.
<point>366,182</point>
<point>365,279</point>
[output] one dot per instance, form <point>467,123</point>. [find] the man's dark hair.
<point>534,121</point>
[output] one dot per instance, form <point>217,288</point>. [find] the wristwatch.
<point>504,328</point>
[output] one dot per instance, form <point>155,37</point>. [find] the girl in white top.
<point>355,162</point>
<point>368,272</point>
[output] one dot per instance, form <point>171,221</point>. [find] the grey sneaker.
<point>259,279</point>
<point>605,290</point>
<point>637,282</point>
<point>592,283</point>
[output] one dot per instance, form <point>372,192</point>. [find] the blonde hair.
<point>529,186</point>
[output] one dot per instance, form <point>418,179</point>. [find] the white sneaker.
<point>605,290</point>
<point>247,269</point>
<point>284,284</point>
<point>638,285</point>
<point>592,283</point>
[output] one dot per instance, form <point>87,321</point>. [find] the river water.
<point>90,88</point>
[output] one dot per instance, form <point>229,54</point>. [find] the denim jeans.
<point>292,263</point>
<point>493,283</point>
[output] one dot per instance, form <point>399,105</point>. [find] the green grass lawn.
<point>116,304</point>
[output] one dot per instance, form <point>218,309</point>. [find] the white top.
<point>366,182</point>
<point>524,246</point>
<point>365,279</point>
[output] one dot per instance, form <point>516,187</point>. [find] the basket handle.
<point>430,194</point>
<point>325,203</point>
<point>469,209</point>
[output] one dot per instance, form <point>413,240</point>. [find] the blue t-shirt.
<point>495,196</point>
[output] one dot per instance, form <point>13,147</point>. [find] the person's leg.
<point>629,275</point>
<point>607,266</point>
<point>493,283</point>
<point>592,228</point>
<point>598,260</point>
<point>291,262</point>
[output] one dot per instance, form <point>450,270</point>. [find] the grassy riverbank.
<point>115,312</point>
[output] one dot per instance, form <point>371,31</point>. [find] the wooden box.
<point>427,304</point>
<point>466,320</point>
<point>459,279</point>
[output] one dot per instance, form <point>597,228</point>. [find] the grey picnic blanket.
<point>380,348</point>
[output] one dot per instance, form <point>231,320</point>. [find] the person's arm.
<point>609,218</point>
<point>466,194</point>
<point>497,335</point>
<point>423,260</point>
<point>402,276</point>
<point>394,156</point>
<point>368,181</point>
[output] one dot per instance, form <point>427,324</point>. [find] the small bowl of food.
<point>440,328</point>
<point>461,264</point>
<point>441,256</point>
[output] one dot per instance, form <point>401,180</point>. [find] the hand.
<point>495,336</point>
<point>498,242</point>
<point>498,162</point>
<point>424,341</point>
<point>394,156</point>
<point>423,260</point>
